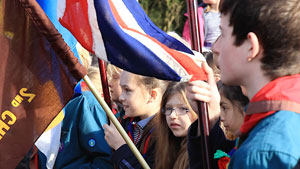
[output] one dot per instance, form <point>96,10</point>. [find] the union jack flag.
<point>120,32</point>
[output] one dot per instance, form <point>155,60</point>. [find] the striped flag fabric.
<point>50,8</point>
<point>119,31</point>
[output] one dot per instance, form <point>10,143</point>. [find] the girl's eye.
<point>127,90</point>
<point>184,109</point>
<point>223,108</point>
<point>168,109</point>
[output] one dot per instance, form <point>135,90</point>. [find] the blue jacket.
<point>82,139</point>
<point>274,143</point>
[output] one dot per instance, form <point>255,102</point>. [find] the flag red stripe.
<point>81,28</point>
<point>184,60</point>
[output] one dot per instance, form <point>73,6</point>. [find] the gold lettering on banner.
<point>3,126</point>
<point>30,95</point>
<point>7,117</point>
<point>11,120</point>
<point>16,102</point>
<point>9,114</point>
<point>19,99</point>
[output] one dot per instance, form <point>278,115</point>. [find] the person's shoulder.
<point>281,123</point>
<point>262,160</point>
<point>277,132</point>
<point>89,97</point>
<point>273,140</point>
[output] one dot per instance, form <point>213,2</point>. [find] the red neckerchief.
<point>280,94</point>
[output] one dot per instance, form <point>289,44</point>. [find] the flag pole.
<point>116,123</point>
<point>104,82</point>
<point>203,119</point>
<point>194,26</point>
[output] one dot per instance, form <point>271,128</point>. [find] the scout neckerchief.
<point>280,94</point>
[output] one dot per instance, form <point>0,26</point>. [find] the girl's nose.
<point>222,116</point>
<point>173,114</point>
<point>222,119</point>
<point>121,97</point>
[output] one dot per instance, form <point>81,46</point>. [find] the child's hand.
<point>206,92</point>
<point>112,136</point>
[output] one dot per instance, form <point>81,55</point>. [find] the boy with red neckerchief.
<point>259,49</point>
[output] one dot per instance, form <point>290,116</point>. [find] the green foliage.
<point>168,15</point>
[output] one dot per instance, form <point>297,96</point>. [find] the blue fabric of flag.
<point>50,8</point>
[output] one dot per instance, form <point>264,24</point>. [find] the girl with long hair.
<point>175,117</point>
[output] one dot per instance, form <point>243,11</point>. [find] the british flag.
<point>119,31</point>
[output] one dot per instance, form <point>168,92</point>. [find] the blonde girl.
<point>141,98</point>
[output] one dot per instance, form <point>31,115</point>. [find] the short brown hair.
<point>276,24</point>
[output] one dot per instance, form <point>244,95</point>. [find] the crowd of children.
<point>252,96</point>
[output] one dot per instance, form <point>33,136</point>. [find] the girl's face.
<point>114,86</point>
<point>231,116</point>
<point>134,96</point>
<point>181,116</point>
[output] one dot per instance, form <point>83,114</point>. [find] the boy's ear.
<point>254,46</point>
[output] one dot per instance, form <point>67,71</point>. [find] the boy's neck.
<point>214,8</point>
<point>255,84</point>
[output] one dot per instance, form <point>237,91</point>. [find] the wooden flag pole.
<point>194,26</point>
<point>104,83</point>
<point>116,123</point>
<point>203,119</point>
